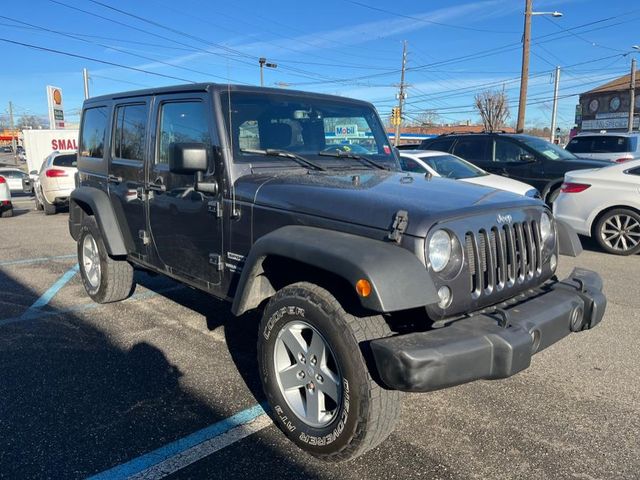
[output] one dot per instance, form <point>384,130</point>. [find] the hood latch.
<point>400,222</point>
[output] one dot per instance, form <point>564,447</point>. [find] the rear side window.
<point>472,149</point>
<point>181,122</point>
<point>441,145</point>
<point>66,161</point>
<point>94,125</point>
<point>599,144</point>
<point>129,132</point>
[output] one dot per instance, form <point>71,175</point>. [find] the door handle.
<point>114,179</point>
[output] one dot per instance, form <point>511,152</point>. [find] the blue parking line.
<point>26,261</point>
<point>173,449</point>
<point>46,297</point>
<point>37,314</point>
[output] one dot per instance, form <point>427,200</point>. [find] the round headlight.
<point>545,227</point>
<point>439,250</point>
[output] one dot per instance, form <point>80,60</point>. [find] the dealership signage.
<point>56,110</point>
<point>613,123</point>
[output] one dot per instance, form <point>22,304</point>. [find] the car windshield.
<point>600,144</point>
<point>548,149</point>
<point>451,166</point>
<point>307,126</point>
<point>70,160</point>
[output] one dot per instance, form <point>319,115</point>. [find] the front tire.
<point>104,278</point>
<point>618,231</point>
<point>316,378</point>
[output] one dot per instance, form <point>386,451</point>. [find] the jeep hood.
<point>372,198</point>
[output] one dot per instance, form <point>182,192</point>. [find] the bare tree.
<point>493,107</point>
<point>31,121</point>
<point>427,118</point>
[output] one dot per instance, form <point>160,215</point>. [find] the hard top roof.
<point>220,87</point>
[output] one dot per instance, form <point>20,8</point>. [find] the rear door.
<point>185,225</point>
<point>126,172</point>
<point>475,149</point>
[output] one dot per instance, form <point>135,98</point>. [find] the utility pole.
<point>12,126</point>
<point>524,77</point>
<point>401,94</point>
<point>554,112</point>
<point>85,78</point>
<point>632,94</point>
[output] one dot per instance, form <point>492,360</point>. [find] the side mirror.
<point>527,158</point>
<point>186,158</point>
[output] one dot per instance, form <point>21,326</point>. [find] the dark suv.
<point>368,281</point>
<point>529,159</point>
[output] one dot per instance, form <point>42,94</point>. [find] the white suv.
<point>55,181</point>
<point>613,147</point>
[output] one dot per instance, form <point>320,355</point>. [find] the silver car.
<point>614,147</point>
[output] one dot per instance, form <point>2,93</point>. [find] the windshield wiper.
<point>365,160</point>
<point>274,152</point>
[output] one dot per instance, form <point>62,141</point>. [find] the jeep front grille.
<point>503,256</point>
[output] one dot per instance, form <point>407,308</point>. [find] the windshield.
<point>450,166</point>
<point>306,126</point>
<point>599,144</point>
<point>548,149</point>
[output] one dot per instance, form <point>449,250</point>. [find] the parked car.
<point>14,177</point>
<point>529,159</point>
<point>442,164</point>
<point>336,249</point>
<point>6,207</point>
<point>613,147</point>
<point>604,204</point>
<point>6,149</point>
<point>408,146</point>
<point>55,182</point>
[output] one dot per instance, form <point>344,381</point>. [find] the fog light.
<point>553,263</point>
<point>444,294</point>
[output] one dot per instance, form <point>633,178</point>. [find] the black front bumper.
<point>494,344</point>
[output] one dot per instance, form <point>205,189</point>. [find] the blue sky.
<point>345,47</point>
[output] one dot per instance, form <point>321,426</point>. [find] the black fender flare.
<point>99,203</point>
<point>398,278</point>
<point>568,240</point>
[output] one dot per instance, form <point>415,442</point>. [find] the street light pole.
<point>263,63</point>
<point>85,78</point>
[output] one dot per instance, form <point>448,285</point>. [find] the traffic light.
<point>395,116</point>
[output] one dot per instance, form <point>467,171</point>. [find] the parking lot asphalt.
<point>85,388</point>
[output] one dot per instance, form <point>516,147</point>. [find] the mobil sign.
<point>39,144</point>
<point>346,130</point>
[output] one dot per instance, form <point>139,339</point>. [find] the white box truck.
<point>38,144</point>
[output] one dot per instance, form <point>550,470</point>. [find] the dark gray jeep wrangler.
<point>370,281</point>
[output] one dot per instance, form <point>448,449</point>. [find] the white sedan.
<point>440,164</point>
<point>604,203</point>
<point>6,207</point>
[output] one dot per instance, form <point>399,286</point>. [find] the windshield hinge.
<point>215,207</point>
<point>400,222</point>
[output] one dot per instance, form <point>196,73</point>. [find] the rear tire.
<point>362,414</point>
<point>618,231</point>
<point>49,208</point>
<point>7,213</point>
<point>105,279</point>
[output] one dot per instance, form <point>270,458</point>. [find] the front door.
<point>185,227</point>
<point>513,160</point>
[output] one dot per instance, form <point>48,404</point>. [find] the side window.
<point>94,125</point>
<point>440,145</point>
<point>472,149</point>
<point>410,165</point>
<point>129,132</point>
<point>181,122</point>
<point>507,151</point>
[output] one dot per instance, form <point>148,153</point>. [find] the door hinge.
<point>216,260</point>
<point>144,236</point>
<point>400,222</point>
<point>215,207</point>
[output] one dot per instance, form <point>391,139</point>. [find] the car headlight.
<point>533,193</point>
<point>440,250</point>
<point>546,229</point>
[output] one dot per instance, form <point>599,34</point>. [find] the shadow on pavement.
<point>73,404</point>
